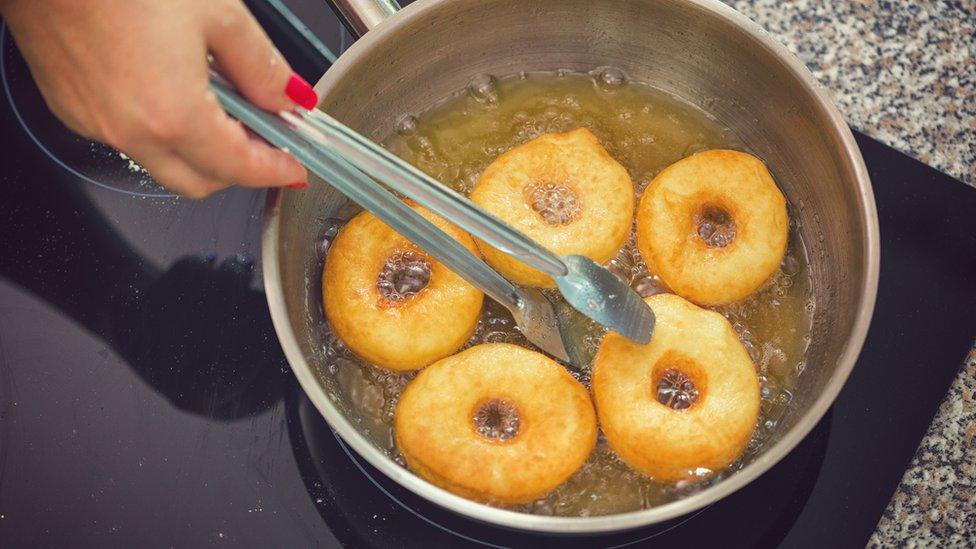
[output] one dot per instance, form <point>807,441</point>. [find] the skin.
<point>134,74</point>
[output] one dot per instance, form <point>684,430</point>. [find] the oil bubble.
<point>406,125</point>
<point>620,271</point>
<point>790,265</point>
<point>484,89</point>
<point>609,78</point>
<point>646,286</point>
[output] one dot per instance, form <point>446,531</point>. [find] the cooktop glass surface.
<point>144,399</point>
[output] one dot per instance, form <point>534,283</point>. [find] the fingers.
<point>196,149</point>
<point>195,177</point>
<point>176,175</point>
<point>220,148</point>
<point>246,55</point>
<point>214,153</point>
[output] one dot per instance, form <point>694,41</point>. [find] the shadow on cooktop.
<point>196,332</point>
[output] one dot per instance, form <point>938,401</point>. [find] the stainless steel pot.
<point>699,50</point>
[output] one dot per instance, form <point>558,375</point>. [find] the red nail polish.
<point>299,91</point>
<point>300,185</point>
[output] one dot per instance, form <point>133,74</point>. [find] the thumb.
<point>247,57</point>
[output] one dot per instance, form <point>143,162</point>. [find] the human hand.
<point>134,74</point>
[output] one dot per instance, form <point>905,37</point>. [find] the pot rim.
<point>362,49</point>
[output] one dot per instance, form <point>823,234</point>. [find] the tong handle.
<point>369,194</point>
<point>404,178</point>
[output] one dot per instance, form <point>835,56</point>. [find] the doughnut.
<point>683,406</point>
<point>496,423</point>
<point>562,190</point>
<point>713,226</point>
<point>391,303</point>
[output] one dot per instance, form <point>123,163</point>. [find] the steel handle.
<point>361,15</point>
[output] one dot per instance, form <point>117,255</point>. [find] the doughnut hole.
<point>555,204</point>
<point>404,275</point>
<point>562,190</point>
<point>715,226</point>
<point>678,382</point>
<point>496,419</point>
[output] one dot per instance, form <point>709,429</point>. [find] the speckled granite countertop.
<point>905,73</point>
<point>902,72</point>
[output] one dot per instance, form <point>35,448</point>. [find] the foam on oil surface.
<point>645,131</point>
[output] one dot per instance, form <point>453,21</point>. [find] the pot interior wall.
<point>674,46</point>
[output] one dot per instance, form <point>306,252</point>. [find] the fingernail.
<point>300,185</point>
<point>299,91</point>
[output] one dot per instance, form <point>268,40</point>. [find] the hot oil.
<point>645,131</point>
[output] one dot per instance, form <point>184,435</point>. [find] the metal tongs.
<point>350,161</point>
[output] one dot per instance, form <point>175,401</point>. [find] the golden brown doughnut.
<point>713,226</point>
<point>392,304</point>
<point>562,190</point>
<point>686,401</point>
<point>495,423</point>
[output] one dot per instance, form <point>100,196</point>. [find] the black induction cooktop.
<point>144,400</point>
